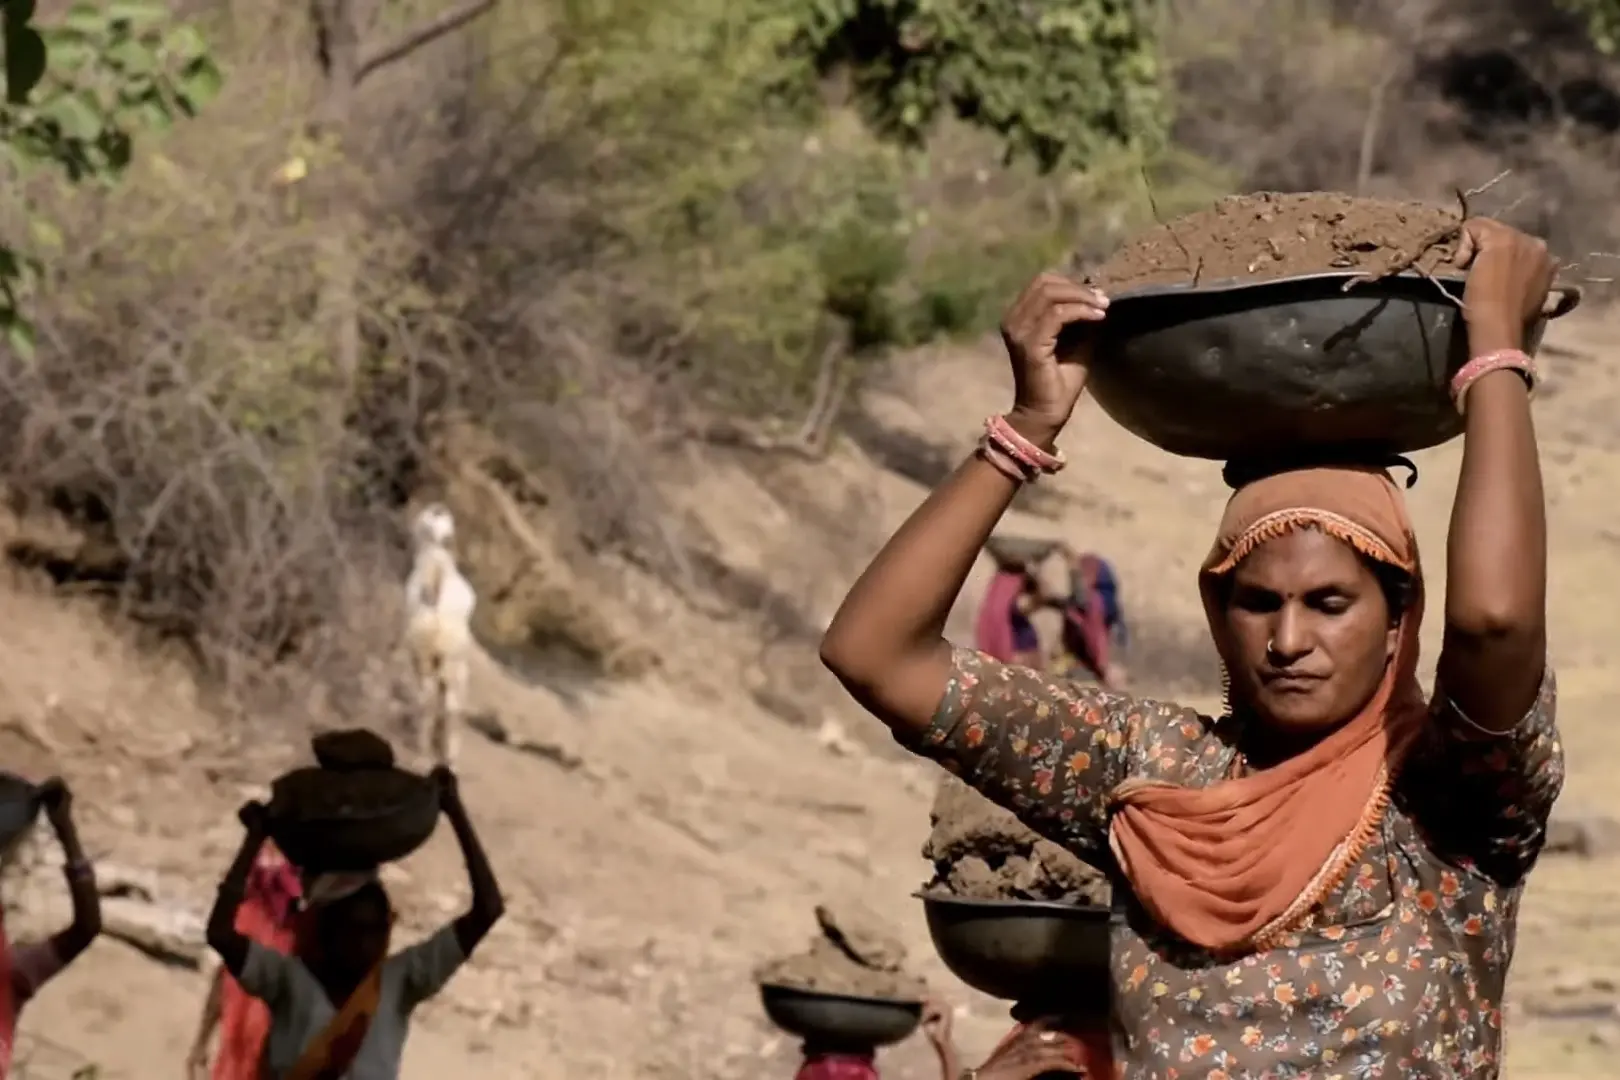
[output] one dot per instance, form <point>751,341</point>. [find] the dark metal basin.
<point>1025,951</point>
<point>837,1022</point>
<point>360,837</point>
<point>1237,370</point>
<point>19,806</point>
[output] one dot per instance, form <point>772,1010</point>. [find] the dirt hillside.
<point>659,839</point>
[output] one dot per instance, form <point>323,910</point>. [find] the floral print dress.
<point>1398,973</point>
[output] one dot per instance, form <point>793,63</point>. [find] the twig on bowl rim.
<point>1408,261</point>
<point>1197,265</point>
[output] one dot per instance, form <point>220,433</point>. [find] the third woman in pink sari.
<point>1004,629</point>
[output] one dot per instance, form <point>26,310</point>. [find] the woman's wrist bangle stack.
<point>1497,360</point>
<point>1002,463</point>
<point>1015,456</point>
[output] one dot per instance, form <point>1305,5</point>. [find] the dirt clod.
<point>353,748</point>
<point>982,852</point>
<point>862,936</point>
<point>1267,235</point>
<point>854,955</point>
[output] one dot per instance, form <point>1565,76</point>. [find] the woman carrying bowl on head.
<point>270,915</point>
<point>27,967</point>
<point>341,1007</point>
<point>1326,879</point>
<point>1040,1049</point>
<point>1094,631</point>
<point>1029,1052</point>
<point>1003,628</point>
<point>845,1064</point>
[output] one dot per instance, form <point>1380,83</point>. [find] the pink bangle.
<point>1002,462</point>
<point>1484,364</point>
<point>1037,461</point>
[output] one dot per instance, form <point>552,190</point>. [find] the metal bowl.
<point>1233,370</point>
<point>1018,552</point>
<point>357,838</point>
<point>837,1021</point>
<point>1024,950</point>
<point>19,806</point>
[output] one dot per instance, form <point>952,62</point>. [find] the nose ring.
<point>1271,646</point>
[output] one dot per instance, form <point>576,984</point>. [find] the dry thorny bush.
<point>235,490</point>
<point>516,222</point>
<point>180,410</point>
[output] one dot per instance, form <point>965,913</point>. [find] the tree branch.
<point>1370,130</point>
<point>429,31</point>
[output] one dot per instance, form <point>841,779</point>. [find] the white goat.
<point>439,604</point>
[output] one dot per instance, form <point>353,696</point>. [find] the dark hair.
<point>1241,472</point>
<point>1393,582</point>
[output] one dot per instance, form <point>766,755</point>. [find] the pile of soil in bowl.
<point>854,955</point>
<point>982,852</point>
<point>1267,235</point>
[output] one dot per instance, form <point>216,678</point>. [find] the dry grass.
<point>557,221</point>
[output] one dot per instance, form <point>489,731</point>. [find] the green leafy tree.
<point>1602,21</point>
<point>773,182</point>
<point>1061,81</point>
<point>77,93</point>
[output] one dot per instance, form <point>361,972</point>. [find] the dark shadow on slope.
<point>904,453</point>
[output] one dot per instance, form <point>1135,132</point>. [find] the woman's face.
<point>1312,631</point>
<point>354,932</point>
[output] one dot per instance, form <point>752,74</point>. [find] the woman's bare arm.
<point>887,643</point>
<point>488,905</point>
<point>1495,651</point>
<point>223,936</point>
<point>81,877</point>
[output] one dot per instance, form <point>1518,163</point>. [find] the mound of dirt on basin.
<point>1267,235</point>
<point>982,852</point>
<point>854,955</point>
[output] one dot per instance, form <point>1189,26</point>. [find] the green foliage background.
<point>775,173</point>
<point>702,198</point>
<point>1602,19</point>
<point>77,92</point>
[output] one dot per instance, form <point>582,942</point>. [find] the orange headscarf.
<point>1236,865</point>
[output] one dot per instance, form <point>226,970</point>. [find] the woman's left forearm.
<point>1496,554</point>
<point>488,905</point>
<point>81,879</point>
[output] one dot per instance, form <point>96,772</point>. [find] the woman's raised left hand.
<point>1036,1050</point>
<point>57,800</point>
<point>1510,275</point>
<point>448,786</point>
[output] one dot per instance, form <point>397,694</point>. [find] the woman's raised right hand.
<point>1035,1050</point>
<point>254,818</point>
<point>1049,367</point>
